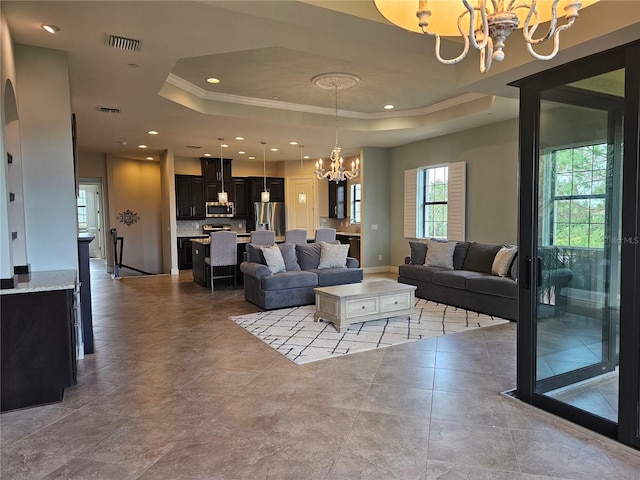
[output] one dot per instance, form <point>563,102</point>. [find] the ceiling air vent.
<point>108,110</point>
<point>123,43</point>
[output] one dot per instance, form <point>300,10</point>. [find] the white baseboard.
<point>175,271</point>
<point>384,269</point>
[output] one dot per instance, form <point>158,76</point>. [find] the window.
<point>355,203</point>
<point>435,201</point>
<point>433,184</point>
<point>82,208</point>
<point>579,187</point>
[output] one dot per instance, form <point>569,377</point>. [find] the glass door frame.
<point>626,430</point>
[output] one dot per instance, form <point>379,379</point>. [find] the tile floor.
<point>175,390</point>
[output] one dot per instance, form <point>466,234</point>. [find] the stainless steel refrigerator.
<point>270,216</point>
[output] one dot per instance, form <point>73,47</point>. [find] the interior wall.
<point>168,221</point>
<point>376,207</point>
<point>239,168</point>
<point>8,77</point>
<point>44,107</point>
<point>491,156</point>
<point>135,186</point>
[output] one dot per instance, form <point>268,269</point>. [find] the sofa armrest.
<point>257,270</point>
<point>560,277</point>
<point>352,262</point>
<point>407,260</point>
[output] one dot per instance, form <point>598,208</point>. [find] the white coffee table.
<point>360,302</point>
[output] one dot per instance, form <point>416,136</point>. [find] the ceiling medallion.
<point>336,81</point>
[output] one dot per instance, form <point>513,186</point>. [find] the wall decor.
<point>128,217</point>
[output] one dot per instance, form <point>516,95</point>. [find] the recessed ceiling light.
<point>213,80</point>
<point>224,145</point>
<point>207,154</point>
<point>293,142</point>
<point>50,28</point>
<point>149,158</point>
<point>239,138</point>
<point>389,107</point>
<point>306,156</point>
<point>241,152</point>
<point>152,132</point>
<point>274,149</point>
<point>142,146</point>
<point>252,157</point>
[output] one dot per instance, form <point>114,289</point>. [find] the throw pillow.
<point>418,252</point>
<point>254,253</point>
<point>480,257</point>
<point>502,261</point>
<point>460,254</point>
<point>288,251</point>
<point>274,259</point>
<point>308,255</point>
<point>440,254</point>
<point>333,255</point>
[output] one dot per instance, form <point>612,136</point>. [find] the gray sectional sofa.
<point>469,285</point>
<point>295,286</point>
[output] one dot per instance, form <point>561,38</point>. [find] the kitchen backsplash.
<point>341,225</point>
<point>186,228</point>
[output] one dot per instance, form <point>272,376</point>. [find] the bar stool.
<point>223,252</point>
<point>263,237</point>
<point>325,235</point>
<point>297,235</point>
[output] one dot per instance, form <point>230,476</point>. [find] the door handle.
<point>527,273</point>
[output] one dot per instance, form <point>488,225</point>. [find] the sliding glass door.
<point>579,244</point>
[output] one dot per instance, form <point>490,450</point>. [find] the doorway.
<point>579,318</point>
<point>89,203</point>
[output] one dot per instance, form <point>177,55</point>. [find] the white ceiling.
<point>265,53</point>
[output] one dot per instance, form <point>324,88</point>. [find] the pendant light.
<point>264,196</point>
<point>302,197</point>
<point>222,195</point>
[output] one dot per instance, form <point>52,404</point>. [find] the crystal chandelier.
<point>222,195</point>
<point>337,172</point>
<point>485,26</point>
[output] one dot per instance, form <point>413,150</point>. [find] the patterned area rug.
<point>294,333</point>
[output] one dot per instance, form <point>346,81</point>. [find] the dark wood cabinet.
<point>38,347</point>
<point>276,189</point>
<point>190,197</point>
<point>212,189</point>
<point>338,199</point>
<point>240,192</point>
<point>213,172</point>
<point>185,261</point>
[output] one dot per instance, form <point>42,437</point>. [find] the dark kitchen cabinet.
<point>240,192</point>
<point>189,197</point>
<point>275,186</point>
<point>38,347</point>
<point>185,261</point>
<point>338,199</point>
<point>212,171</point>
<point>212,189</point>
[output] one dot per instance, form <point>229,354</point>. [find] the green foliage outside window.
<point>580,188</point>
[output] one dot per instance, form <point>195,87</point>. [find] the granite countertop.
<point>349,234</point>
<point>43,281</point>
<point>242,238</point>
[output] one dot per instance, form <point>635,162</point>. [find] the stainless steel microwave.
<point>217,209</point>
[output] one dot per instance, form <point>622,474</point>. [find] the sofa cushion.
<point>418,252</point>
<point>453,278</point>
<point>503,259</point>
<point>286,280</point>
<point>492,285</point>
<point>419,272</point>
<point>480,257</point>
<point>333,255</point>
<point>308,255</point>
<point>460,254</point>
<point>338,276</point>
<point>440,254</point>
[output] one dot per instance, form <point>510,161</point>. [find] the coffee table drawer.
<point>399,301</point>
<point>362,307</point>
